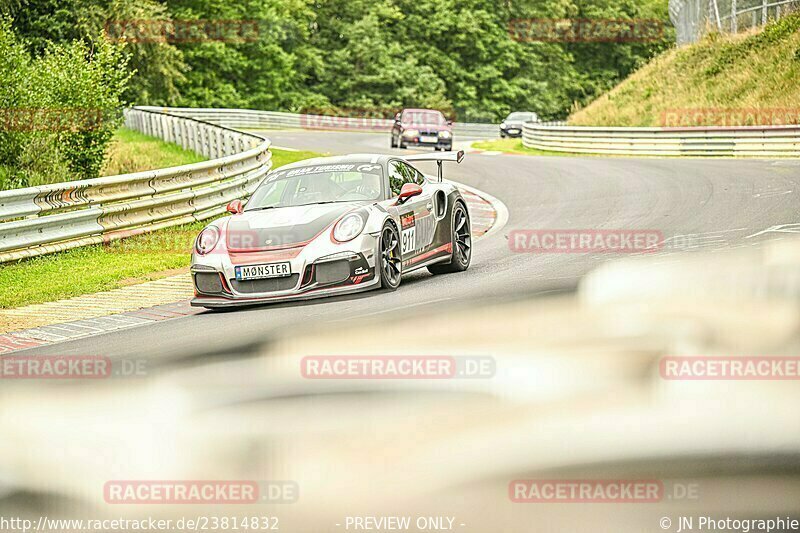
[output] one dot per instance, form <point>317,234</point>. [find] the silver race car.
<point>333,225</point>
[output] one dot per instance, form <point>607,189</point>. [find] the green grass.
<point>103,267</point>
<point>131,151</point>
<point>757,70</point>
<point>513,146</point>
<point>284,157</point>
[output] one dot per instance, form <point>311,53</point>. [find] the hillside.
<point>751,78</point>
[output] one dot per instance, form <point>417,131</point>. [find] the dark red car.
<point>422,127</point>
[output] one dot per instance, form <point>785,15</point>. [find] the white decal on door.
<point>409,240</point>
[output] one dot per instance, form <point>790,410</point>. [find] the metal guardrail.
<point>50,218</point>
<point>754,141</point>
<point>693,18</point>
<point>250,119</point>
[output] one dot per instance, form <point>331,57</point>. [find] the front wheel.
<point>462,243</point>
<point>390,263</point>
<point>392,142</point>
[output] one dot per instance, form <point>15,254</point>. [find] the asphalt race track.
<point>709,204</point>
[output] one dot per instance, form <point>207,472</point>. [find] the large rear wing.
<point>439,157</point>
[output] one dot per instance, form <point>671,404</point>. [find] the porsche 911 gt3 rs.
<point>333,225</point>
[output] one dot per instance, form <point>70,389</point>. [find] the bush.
<point>58,111</point>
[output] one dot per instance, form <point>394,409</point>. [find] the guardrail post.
<point>229,144</point>
<point>202,137</point>
<point>184,136</point>
<point>734,22</point>
<point>763,11</point>
<point>193,137</point>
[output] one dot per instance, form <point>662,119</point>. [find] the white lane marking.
<point>781,228</point>
<point>490,152</point>
<point>771,194</point>
<point>686,241</point>
<point>285,148</point>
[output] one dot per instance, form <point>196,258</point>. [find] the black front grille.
<point>208,282</point>
<point>332,272</point>
<point>265,285</point>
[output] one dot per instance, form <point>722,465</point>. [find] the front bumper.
<point>511,132</point>
<point>417,140</point>
<point>317,270</point>
<point>446,144</point>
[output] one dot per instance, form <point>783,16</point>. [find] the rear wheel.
<point>462,243</point>
<point>390,263</point>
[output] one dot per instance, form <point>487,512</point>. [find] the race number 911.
<point>409,239</point>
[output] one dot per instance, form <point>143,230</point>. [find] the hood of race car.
<point>281,227</point>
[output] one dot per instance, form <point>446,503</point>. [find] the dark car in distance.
<point>512,125</point>
<point>422,127</point>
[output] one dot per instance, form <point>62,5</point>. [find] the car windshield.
<point>521,117</point>
<point>424,117</point>
<point>314,184</point>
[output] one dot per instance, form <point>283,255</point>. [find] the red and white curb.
<point>89,327</point>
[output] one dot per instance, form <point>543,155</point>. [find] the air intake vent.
<point>332,272</point>
<point>208,283</point>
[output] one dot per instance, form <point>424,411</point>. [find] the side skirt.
<point>444,259</point>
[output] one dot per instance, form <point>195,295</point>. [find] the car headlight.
<point>349,227</point>
<point>207,240</point>
<point>445,134</point>
<point>503,125</point>
<point>411,133</point>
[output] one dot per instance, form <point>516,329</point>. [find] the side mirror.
<point>409,190</point>
<point>235,207</point>
<point>449,122</point>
